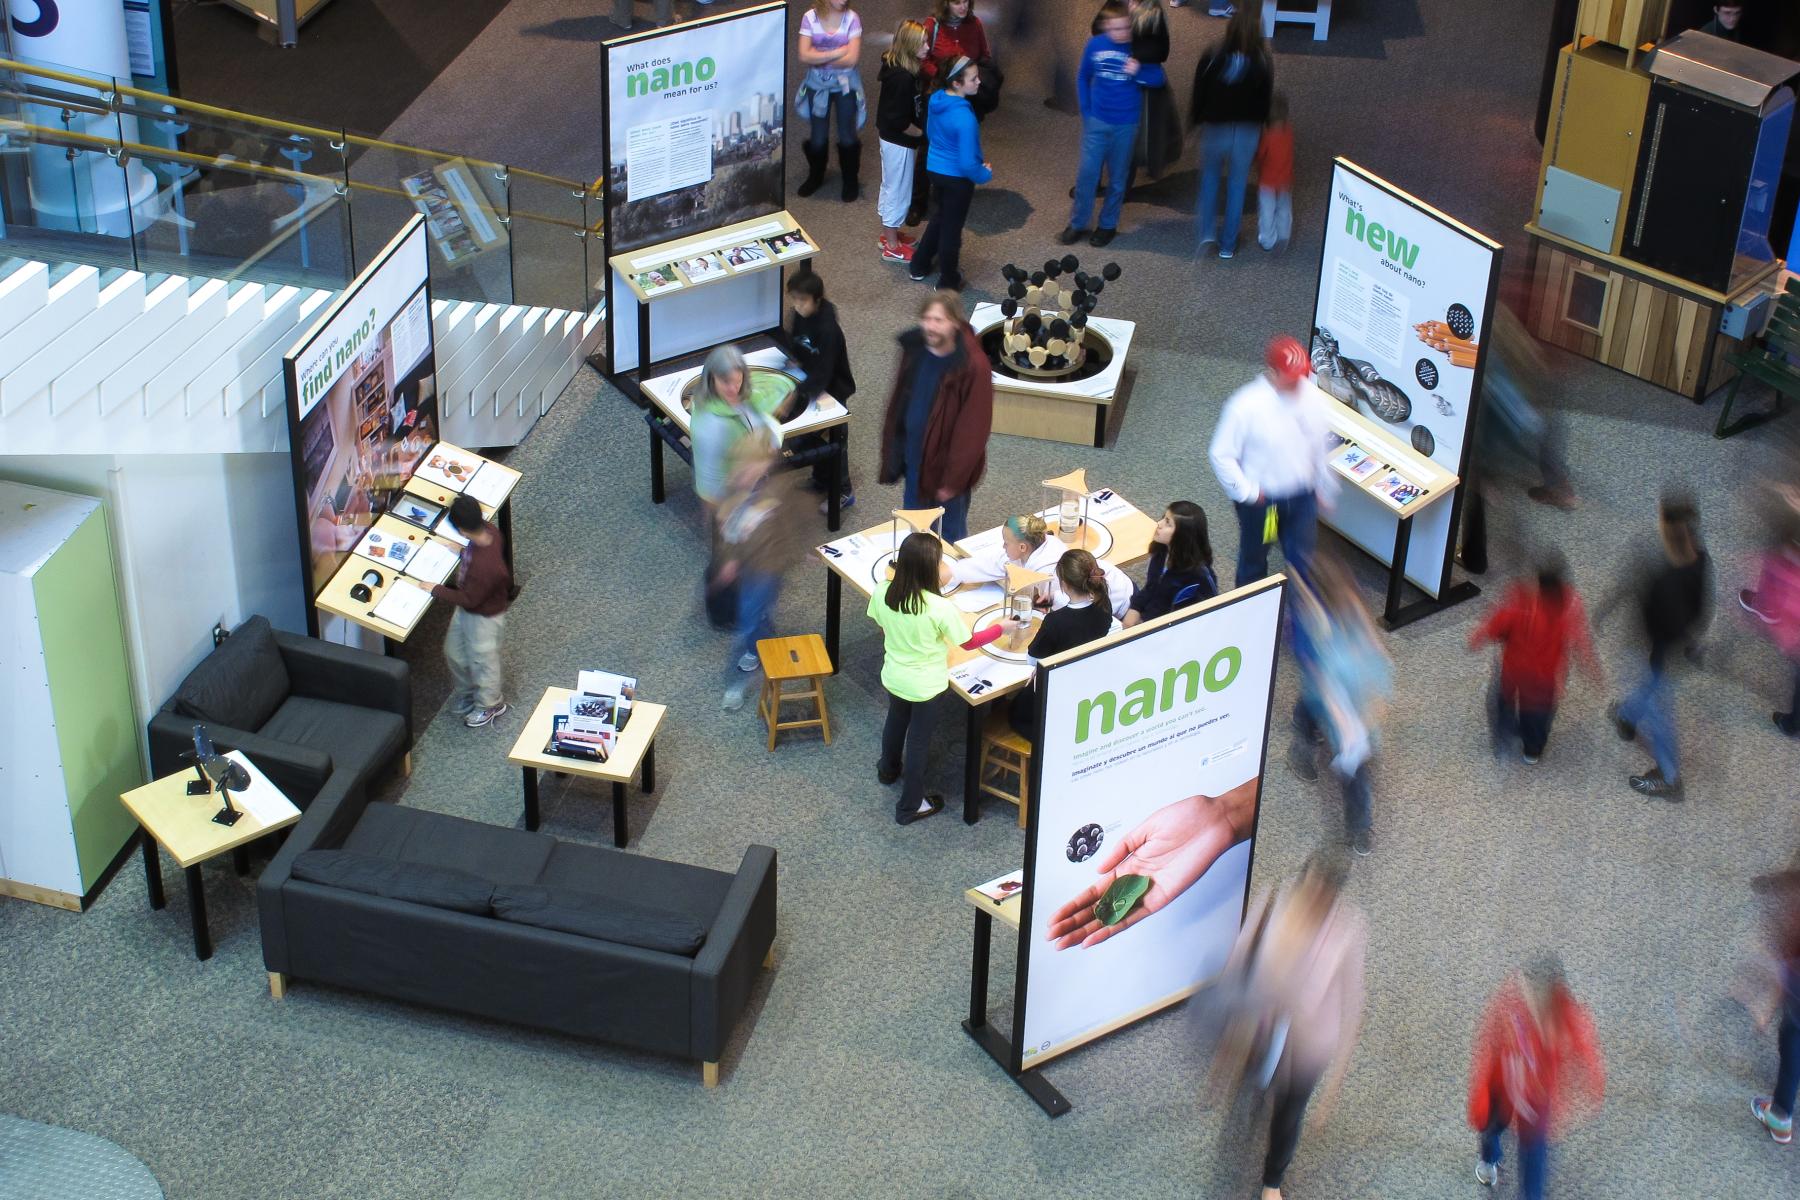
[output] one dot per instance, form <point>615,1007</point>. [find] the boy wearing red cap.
<point>1269,453</point>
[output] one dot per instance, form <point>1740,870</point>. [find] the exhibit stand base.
<point>1074,408</point>
<point>1041,1090</point>
<point>1394,614</point>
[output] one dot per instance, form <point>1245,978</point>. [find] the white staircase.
<point>97,361</point>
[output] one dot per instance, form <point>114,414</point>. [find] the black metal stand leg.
<point>1397,574</point>
<point>643,340</point>
<point>656,465</point>
<point>978,971</point>
<point>619,815</point>
<point>972,765</point>
<point>840,471</point>
<point>531,797</point>
<point>834,598</point>
<point>504,517</point>
<point>152,869</point>
<point>240,860</point>
<point>197,908</point>
<point>649,781</point>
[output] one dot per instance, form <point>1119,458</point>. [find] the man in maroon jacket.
<point>934,435</point>
<point>479,591</point>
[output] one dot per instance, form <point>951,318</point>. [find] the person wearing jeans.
<point>1111,105</point>
<point>1269,455</point>
<point>480,591</point>
<point>939,415</point>
<point>830,44</point>
<point>1232,89</point>
<point>953,160</point>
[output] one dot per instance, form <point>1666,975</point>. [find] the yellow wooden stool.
<point>800,658</point>
<point>1009,755</point>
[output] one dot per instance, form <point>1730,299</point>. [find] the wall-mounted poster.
<point>362,403</point>
<point>1143,813</point>
<point>694,122</point>
<point>1405,295</point>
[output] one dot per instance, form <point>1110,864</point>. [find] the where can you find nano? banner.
<point>694,123</point>
<point>1398,327</point>
<point>1134,885</point>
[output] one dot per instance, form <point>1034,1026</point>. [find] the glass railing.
<point>95,170</point>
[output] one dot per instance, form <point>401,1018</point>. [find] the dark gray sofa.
<point>319,719</point>
<point>480,963</point>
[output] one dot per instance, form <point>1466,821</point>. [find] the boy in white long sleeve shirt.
<point>1269,451</point>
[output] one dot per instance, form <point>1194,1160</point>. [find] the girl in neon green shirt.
<point>920,627</point>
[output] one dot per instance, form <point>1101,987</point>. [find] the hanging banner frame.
<point>753,130</point>
<point>1366,525</point>
<point>1260,606</point>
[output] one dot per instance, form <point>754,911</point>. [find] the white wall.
<point>198,539</point>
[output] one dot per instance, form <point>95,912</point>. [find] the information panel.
<point>1148,773</point>
<point>694,126</point>
<point>362,403</point>
<point>1402,312</point>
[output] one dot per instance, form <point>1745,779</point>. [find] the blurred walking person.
<point>1232,88</point>
<point>1290,1004</point>
<point>1346,680</point>
<point>1775,600</point>
<point>1537,625</point>
<point>1775,1112</point>
<point>1268,453</point>
<point>1536,1070</point>
<point>758,541</point>
<point>1673,594</point>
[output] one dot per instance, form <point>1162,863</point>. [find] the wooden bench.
<point>1769,362</point>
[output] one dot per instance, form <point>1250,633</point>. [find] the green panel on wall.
<point>90,689</point>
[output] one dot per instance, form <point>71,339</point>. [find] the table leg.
<point>240,860</point>
<point>840,471</point>
<point>972,765</point>
<point>197,909</point>
<point>643,340</point>
<point>1397,576</point>
<point>1100,413</point>
<point>619,834</point>
<point>978,970</point>
<point>504,517</point>
<point>656,463</point>
<point>531,797</point>
<point>152,869</point>
<point>649,780</point>
<point>834,599</point>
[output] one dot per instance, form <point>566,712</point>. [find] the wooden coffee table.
<point>635,747</point>
<point>183,825</point>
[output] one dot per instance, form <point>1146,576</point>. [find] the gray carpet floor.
<point>850,1076</point>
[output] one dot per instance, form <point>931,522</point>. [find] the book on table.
<point>1004,888</point>
<point>571,743</point>
<point>618,690</point>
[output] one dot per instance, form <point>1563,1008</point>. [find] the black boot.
<point>815,169</point>
<point>850,163</point>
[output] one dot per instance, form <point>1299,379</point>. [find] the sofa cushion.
<point>240,684</point>
<point>603,917</point>
<point>419,883</point>
<point>359,740</point>
<point>696,893</point>
<point>493,852</point>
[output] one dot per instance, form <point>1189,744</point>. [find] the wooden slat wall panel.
<point>1626,23</point>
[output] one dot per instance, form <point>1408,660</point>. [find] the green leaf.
<point>1116,903</point>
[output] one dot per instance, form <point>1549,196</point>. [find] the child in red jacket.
<point>1537,624</point>
<point>1536,1068</point>
<point>1275,178</point>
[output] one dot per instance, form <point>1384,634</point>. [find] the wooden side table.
<point>183,825</point>
<point>635,747</point>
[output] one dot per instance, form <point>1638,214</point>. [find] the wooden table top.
<point>664,393</point>
<point>628,750</point>
<point>336,599</point>
<point>1005,911</point>
<point>183,824</point>
<point>793,657</point>
<point>1130,531</point>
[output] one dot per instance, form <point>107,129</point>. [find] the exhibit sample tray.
<point>681,265</point>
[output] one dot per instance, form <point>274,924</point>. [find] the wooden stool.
<point>1009,754</point>
<point>783,659</point>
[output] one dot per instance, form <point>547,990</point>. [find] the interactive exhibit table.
<point>1114,530</point>
<point>1072,407</point>
<point>771,385</point>
<point>402,554</point>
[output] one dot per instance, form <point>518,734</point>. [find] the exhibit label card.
<point>1135,881</point>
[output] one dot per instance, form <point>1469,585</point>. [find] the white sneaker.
<point>1487,1173</point>
<point>735,695</point>
<point>749,662</point>
<point>1222,10</point>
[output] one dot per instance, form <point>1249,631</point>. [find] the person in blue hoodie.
<point>953,161</point>
<point>1111,104</point>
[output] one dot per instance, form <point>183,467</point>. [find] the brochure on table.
<point>703,259</point>
<point>1378,467</point>
<point>1138,734</point>
<point>694,140</point>
<point>1405,298</point>
<point>665,392</point>
<point>588,725</point>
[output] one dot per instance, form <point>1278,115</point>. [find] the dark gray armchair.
<point>317,718</point>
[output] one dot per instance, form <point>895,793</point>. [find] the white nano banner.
<point>1398,326</point>
<point>1149,770</point>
